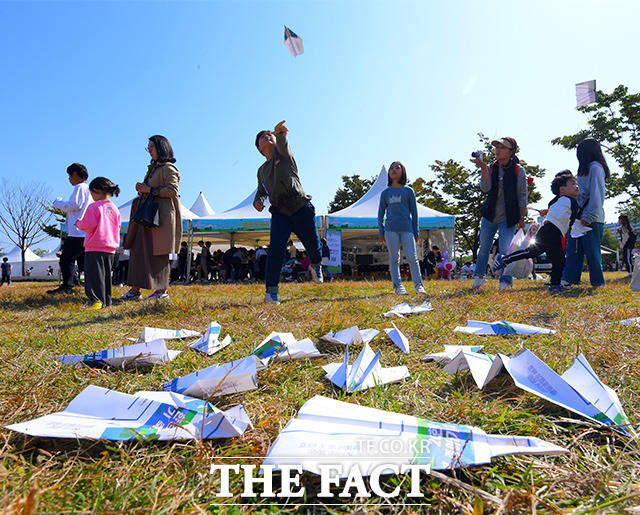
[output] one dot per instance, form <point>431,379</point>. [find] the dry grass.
<point>598,474</point>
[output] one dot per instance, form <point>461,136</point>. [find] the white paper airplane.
<point>210,342</point>
<point>329,432</point>
<point>398,338</point>
<point>366,371</point>
<point>500,327</point>
<point>293,42</point>
<point>406,309</point>
<point>457,358</point>
<point>153,333</point>
<point>351,335</point>
<point>284,346</point>
<point>222,379</point>
<point>635,321</point>
<point>138,354</point>
<point>585,92</point>
<point>578,389</point>
<point>579,230</point>
<point>100,413</point>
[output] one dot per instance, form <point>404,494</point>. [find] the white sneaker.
<point>478,281</point>
<point>420,289</point>
<point>504,286</point>
<point>401,290</point>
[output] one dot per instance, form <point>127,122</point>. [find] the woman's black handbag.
<point>147,213</point>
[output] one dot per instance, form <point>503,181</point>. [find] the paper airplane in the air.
<point>398,338</point>
<point>210,342</point>
<point>406,309</point>
<point>293,42</point>
<point>223,379</point>
<point>351,335</point>
<point>99,413</point>
<point>328,431</point>
<point>366,371</point>
<point>284,346</point>
<point>138,354</point>
<point>500,327</point>
<point>585,92</point>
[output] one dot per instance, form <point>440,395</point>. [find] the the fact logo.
<point>330,476</point>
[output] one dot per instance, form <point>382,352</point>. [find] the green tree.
<point>456,190</point>
<point>353,187</point>
<point>614,120</point>
<point>53,230</point>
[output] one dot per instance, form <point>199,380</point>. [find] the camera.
<point>477,154</point>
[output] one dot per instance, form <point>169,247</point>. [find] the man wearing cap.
<point>291,208</point>
<point>505,183</point>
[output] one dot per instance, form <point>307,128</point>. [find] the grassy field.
<point>599,474</point>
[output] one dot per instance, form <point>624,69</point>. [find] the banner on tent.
<point>334,242</point>
<point>363,222</point>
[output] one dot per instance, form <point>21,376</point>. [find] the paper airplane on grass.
<point>406,309</point>
<point>635,321</point>
<point>222,379</point>
<point>457,358</point>
<point>138,354</point>
<point>500,327</point>
<point>578,389</point>
<point>366,371</point>
<point>351,335</point>
<point>210,342</point>
<point>284,346</point>
<point>327,432</point>
<point>398,338</point>
<point>153,333</point>
<point>100,413</point>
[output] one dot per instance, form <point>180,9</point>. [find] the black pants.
<point>548,240</point>
<point>97,276</point>
<point>72,251</point>
<point>626,255</point>
<point>6,278</point>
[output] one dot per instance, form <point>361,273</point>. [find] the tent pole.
<point>190,253</point>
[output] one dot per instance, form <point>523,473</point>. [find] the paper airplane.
<point>578,389</point>
<point>329,432</point>
<point>293,42</point>
<point>284,346</point>
<point>100,413</point>
<point>406,309</point>
<point>579,230</point>
<point>222,379</point>
<point>457,358</point>
<point>366,371</point>
<point>398,338</point>
<point>635,321</point>
<point>138,354</point>
<point>209,342</point>
<point>500,327</point>
<point>153,333</point>
<point>351,335</point>
<point>585,92</point>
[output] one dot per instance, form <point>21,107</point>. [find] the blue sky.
<point>379,81</point>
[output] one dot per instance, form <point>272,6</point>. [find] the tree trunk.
<point>23,251</point>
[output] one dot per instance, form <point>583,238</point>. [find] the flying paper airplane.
<point>327,432</point>
<point>456,358</point>
<point>284,346</point>
<point>585,92</point>
<point>351,335</point>
<point>398,338</point>
<point>153,333</point>
<point>366,371</point>
<point>138,354</point>
<point>406,309</point>
<point>500,327</point>
<point>233,377</point>
<point>578,389</point>
<point>579,230</point>
<point>209,342</point>
<point>293,42</point>
<point>100,413</point>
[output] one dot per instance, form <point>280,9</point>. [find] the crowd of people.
<point>154,234</point>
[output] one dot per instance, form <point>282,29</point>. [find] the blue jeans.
<point>577,249</point>
<point>394,239</point>
<point>303,224</point>
<point>488,231</point>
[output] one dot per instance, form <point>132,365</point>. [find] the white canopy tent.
<point>201,207</point>
<point>125,215</point>
<point>40,265</point>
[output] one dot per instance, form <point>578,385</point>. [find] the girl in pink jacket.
<point>101,223</point>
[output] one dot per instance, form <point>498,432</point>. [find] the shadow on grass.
<point>154,308</point>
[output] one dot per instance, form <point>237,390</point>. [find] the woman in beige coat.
<point>150,246</point>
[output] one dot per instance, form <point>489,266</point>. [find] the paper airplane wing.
<point>585,92</point>
<point>398,338</point>
<point>293,42</point>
